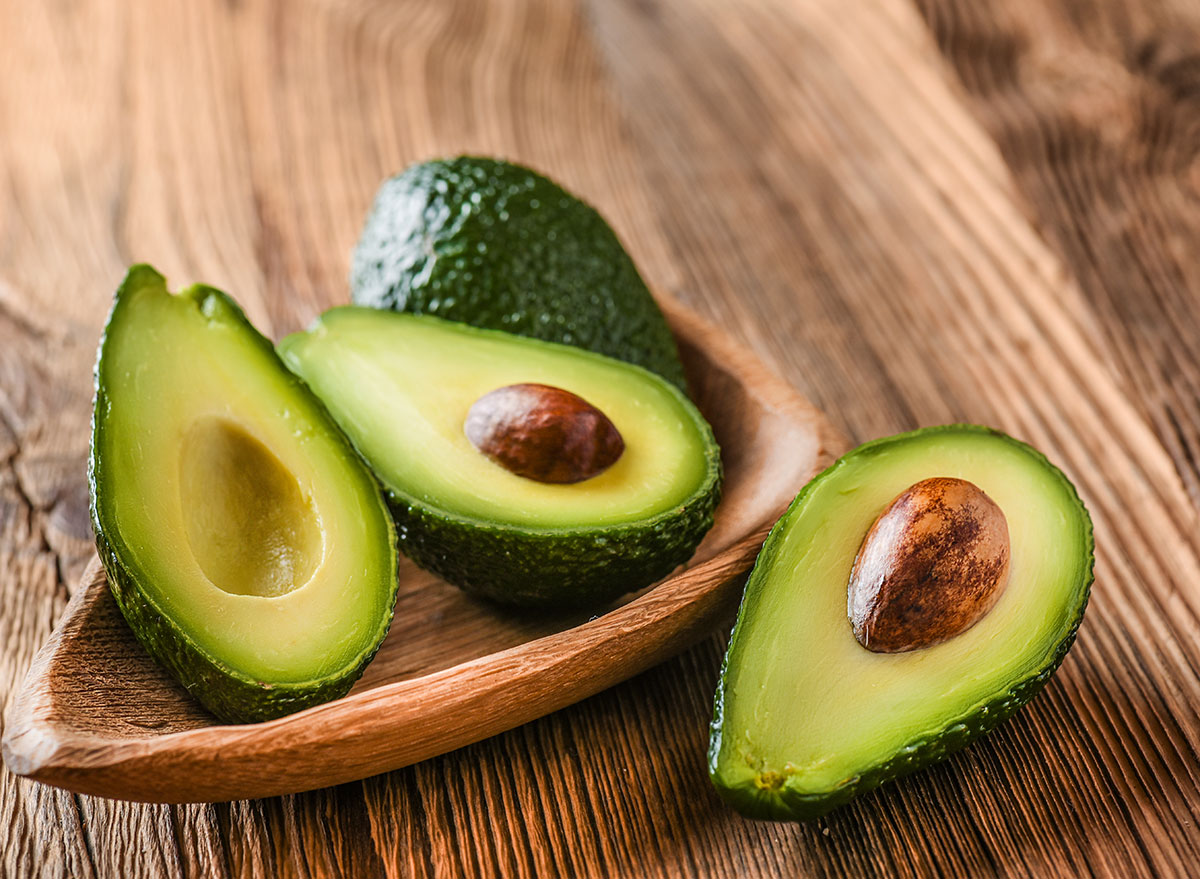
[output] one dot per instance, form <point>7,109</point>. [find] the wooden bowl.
<point>96,715</point>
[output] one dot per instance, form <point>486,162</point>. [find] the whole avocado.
<point>493,244</point>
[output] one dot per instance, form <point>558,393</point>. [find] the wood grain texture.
<point>97,715</point>
<point>919,213</point>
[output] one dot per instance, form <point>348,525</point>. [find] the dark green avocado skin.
<point>783,804</point>
<point>496,245</point>
<point>555,568</point>
<point>226,692</point>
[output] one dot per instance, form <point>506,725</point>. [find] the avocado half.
<point>247,545</point>
<point>401,386</point>
<point>497,245</point>
<point>806,718</point>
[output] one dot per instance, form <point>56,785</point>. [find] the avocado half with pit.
<point>403,387</point>
<point>246,544</point>
<point>915,595</point>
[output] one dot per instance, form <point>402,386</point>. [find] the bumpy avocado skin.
<point>783,804</point>
<point>496,245</point>
<point>227,693</point>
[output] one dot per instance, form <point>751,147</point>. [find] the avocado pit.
<point>543,433</point>
<point>931,566</point>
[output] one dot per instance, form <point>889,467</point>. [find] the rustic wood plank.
<point>1094,109</point>
<point>810,174</point>
<point>889,203</point>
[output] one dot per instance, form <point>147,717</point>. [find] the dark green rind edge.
<point>554,568</point>
<point>560,567</point>
<point>369,289</point>
<point>226,692</point>
<point>781,804</point>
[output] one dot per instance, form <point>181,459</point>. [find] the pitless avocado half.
<point>847,667</point>
<point>246,544</point>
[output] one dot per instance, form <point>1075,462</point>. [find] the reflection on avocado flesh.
<point>250,527</point>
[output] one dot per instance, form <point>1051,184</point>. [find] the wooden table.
<point>952,210</point>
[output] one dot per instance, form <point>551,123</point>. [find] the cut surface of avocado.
<point>806,717</point>
<point>497,245</point>
<point>401,386</point>
<point>247,545</point>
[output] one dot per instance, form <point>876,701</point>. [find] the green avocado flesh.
<point>806,718</point>
<point>401,386</point>
<point>496,245</point>
<point>245,542</point>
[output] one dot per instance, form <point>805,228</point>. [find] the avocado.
<point>405,387</point>
<point>807,716</point>
<point>248,547</point>
<point>498,246</point>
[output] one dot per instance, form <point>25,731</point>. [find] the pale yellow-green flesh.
<point>250,529</point>
<point>401,387</point>
<point>805,704</point>
<point>238,512</point>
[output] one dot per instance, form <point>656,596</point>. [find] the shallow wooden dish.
<point>96,715</point>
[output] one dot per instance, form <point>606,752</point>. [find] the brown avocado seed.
<point>543,433</point>
<point>931,566</point>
